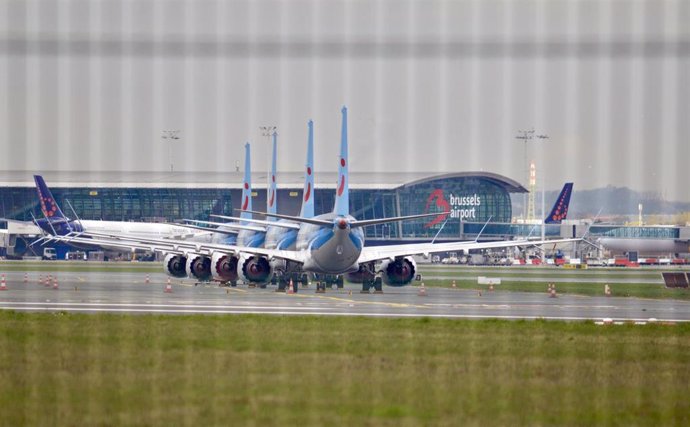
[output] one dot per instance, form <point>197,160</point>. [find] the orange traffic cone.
<point>148,279</point>
<point>40,279</point>
<point>168,287</point>
<point>291,289</point>
<point>50,279</point>
<point>552,294</point>
<point>3,285</point>
<point>422,290</point>
<point>55,283</point>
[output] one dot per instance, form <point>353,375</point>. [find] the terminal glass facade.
<point>468,199</point>
<point>635,232</point>
<point>120,204</point>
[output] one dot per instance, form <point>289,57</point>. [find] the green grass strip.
<point>73,369</point>
<point>639,290</point>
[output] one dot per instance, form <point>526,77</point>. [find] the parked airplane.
<point>55,222</point>
<point>327,245</point>
<point>281,234</point>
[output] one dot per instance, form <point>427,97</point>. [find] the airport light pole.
<point>527,136</point>
<point>267,132</point>
<point>170,136</point>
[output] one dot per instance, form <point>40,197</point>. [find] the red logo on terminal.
<point>440,202</point>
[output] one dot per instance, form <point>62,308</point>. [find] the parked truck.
<point>49,254</point>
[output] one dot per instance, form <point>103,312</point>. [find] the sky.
<point>431,86</point>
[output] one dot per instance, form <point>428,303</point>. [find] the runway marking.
<point>344,314</point>
<point>106,304</point>
<point>353,301</point>
<point>518,305</point>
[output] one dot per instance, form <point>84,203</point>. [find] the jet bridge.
<point>16,236</point>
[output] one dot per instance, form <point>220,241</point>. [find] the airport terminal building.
<point>151,196</point>
<point>471,198</point>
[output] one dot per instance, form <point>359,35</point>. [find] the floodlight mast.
<point>170,136</point>
<point>267,132</point>
<point>527,136</point>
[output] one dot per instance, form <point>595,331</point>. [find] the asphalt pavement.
<point>131,293</point>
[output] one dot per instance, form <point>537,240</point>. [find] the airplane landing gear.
<point>376,283</point>
<point>327,280</point>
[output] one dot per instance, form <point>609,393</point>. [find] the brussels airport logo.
<point>463,207</point>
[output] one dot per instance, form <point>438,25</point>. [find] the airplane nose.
<point>342,224</point>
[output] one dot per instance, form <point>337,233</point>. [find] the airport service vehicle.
<point>49,254</point>
<point>327,245</point>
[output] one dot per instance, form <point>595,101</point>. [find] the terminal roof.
<point>233,180</point>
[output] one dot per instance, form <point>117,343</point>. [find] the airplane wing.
<point>173,246</point>
<point>375,253</point>
<point>234,228</point>
<point>289,225</point>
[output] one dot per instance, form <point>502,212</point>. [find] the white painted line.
<point>346,314</point>
<point>180,306</point>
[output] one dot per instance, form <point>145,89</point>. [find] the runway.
<point>129,293</point>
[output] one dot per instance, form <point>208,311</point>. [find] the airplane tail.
<point>271,203</point>
<point>559,212</point>
<point>247,185</point>
<point>308,193</point>
<point>49,206</point>
<point>342,200</point>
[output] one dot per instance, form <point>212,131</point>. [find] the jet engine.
<point>224,267</point>
<point>399,272</point>
<point>255,269</point>
<point>174,265</point>
<point>199,267</point>
<point>365,272</point>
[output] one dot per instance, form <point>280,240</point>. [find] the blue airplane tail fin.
<point>49,206</point>
<point>308,193</point>
<point>342,200</point>
<point>559,212</point>
<point>246,204</point>
<point>271,202</point>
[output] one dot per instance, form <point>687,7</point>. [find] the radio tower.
<point>532,191</point>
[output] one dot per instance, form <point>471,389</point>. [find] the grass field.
<point>643,282</point>
<point>81,266</point>
<point>59,369</point>
<point>639,290</point>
